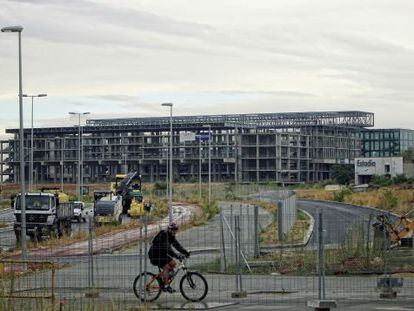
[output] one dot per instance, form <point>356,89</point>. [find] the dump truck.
<point>48,213</point>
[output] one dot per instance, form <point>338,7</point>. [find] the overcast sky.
<point>124,58</point>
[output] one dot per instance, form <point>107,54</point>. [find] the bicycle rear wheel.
<point>147,292</point>
<point>193,286</point>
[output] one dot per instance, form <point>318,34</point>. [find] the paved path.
<point>182,213</point>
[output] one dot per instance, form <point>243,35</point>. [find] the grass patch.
<point>295,235</point>
<point>393,199</point>
<point>4,204</point>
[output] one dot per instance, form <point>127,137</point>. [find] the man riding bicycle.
<point>162,255</point>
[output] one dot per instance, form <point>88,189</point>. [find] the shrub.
<point>340,195</point>
<point>160,185</point>
<point>400,179</point>
<point>382,181</point>
<point>210,210</point>
<point>327,182</point>
<point>388,199</point>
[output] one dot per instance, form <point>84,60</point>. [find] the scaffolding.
<point>284,148</point>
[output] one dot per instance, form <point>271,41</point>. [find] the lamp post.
<point>170,214</point>
<point>62,158</point>
<point>209,161</point>
<point>125,164</point>
<point>19,30</point>
<point>79,114</point>
<point>31,142</point>
<point>199,170</point>
<point>166,171</point>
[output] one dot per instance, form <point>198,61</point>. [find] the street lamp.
<point>79,114</point>
<point>62,157</point>
<point>209,161</point>
<point>19,30</point>
<point>170,215</point>
<point>199,170</point>
<point>31,143</point>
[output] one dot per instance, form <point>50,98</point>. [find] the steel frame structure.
<point>283,147</point>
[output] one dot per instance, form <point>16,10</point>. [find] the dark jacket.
<point>161,246</point>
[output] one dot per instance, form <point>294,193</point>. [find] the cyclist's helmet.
<point>173,226</point>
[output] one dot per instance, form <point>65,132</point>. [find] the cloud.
<point>212,57</point>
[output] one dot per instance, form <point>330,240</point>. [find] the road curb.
<point>310,229</point>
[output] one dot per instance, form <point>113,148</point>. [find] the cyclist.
<point>162,255</point>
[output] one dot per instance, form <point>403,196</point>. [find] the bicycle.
<point>193,286</point>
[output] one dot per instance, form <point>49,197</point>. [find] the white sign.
<point>187,136</point>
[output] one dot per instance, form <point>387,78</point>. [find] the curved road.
<point>341,221</point>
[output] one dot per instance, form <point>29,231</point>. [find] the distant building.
<point>386,142</point>
<point>366,168</point>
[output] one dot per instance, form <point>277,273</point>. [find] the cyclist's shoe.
<point>168,289</point>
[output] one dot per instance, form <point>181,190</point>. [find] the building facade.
<point>285,148</point>
<point>386,142</point>
<point>366,168</point>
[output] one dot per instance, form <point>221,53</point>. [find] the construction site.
<point>285,148</point>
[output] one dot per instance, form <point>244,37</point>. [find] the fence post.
<point>239,286</point>
<point>236,245</point>
<point>145,254</point>
<point>140,254</point>
<point>368,238</point>
<point>239,255</point>
<point>321,260</point>
<point>232,248</point>
<point>223,261</point>
<point>92,293</point>
<point>256,231</point>
<point>322,303</point>
<point>249,244</point>
<point>280,225</point>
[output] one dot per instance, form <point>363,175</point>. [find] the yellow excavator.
<point>124,198</point>
<point>400,232</point>
<point>115,182</point>
<point>129,188</point>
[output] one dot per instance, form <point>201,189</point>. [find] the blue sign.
<point>203,137</point>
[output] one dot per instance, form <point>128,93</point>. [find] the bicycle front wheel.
<point>147,287</point>
<point>193,286</point>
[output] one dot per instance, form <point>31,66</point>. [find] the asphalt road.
<point>340,221</point>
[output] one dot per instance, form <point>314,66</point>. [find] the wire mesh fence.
<point>332,251</point>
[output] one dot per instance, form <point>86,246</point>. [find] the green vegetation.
<point>339,196</point>
<point>295,235</point>
<point>343,174</point>
<point>389,200</point>
<point>4,204</point>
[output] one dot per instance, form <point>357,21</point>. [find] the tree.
<point>408,155</point>
<point>343,174</point>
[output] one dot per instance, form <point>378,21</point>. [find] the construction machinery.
<point>107,207</point>
<point>48,213</point>
<point>124,198</point>
<point>116,181</point>
<point>399,232</point>
<point>130,189</point>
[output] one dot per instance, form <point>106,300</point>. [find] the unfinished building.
<point>285,148</point>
